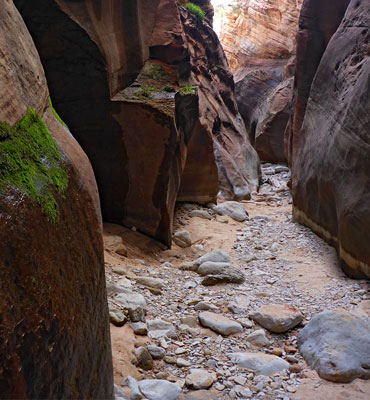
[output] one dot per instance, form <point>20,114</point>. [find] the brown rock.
<point>237,161</point>
<point>144,359</point>
<point>261,29</point>
<point>54,339</point>
<point>331,164</point>
<point>317,23</point>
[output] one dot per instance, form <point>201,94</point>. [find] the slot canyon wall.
<point>54,326</point>
<point>113,71</point>
<point>259,40</point>
<point>329,139</point>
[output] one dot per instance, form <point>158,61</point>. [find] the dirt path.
<point>283,262</point>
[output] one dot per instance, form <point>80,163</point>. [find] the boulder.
<point>337,345</point>
<point>54,339</point>
<point>331,164</point>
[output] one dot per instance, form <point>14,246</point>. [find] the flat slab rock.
<point>219,323</point>
<point>152,389</point>
<point>337,345</point>
<point>232,209</point>
<point>260,363</point>
<point>277,318</point>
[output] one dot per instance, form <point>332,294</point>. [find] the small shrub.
<point>187,89</point>
<point>196,10</point>
<point>56,115</point>
<point>146,91</point>
<point>158,72</point>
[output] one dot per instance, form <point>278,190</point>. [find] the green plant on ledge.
<point>32,162</point>
<point>196,10</point>
<point>158,72</point>
<point>146,91</point>
<point>187,89</point>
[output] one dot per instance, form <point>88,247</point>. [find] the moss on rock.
<point>31,161</point>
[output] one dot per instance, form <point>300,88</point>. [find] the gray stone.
<point>232,275</point>
<point>260,363</point>
<point>163,333</point>
<point>219,323</point>
<point>156,352</point>
<point>181,362</point>
<point>199,379</point>
<point>158,325</point>
<point>136,314</point>
<point>134,387</point>
<point>144,359</point>
<point>157,389</point>
<point>130,300</point>
<point>182,238</point>
<point>117,318</point>
<point>215,256</point>
<point>139,328</point>
<point>200,214</point>
<point>190,320</point>
<point>204,306</point>
<point>212,268</point>
<point>277,318</point>
<point>258,338</point>
<point>232,209</point>
<point>149,281</point>
<point>337,345</point>
<point>119,394</point>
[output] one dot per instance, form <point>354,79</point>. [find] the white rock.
<point>232,209</point>
<point>182,238</point>
<point>260,363</point>
<point>158,389</point>
<point>130,300</point>
<point>149,281</point>
<point>199,379</point>
<point>258,338</point>
<point>219,323</point>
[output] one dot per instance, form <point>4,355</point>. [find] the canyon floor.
<point>284,263</point>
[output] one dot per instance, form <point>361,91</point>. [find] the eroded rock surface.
<point>337,345</point>
<point>331,164</point>
<point>55,340</point>
<point>259,40</point>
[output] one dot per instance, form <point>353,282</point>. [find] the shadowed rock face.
<point>98,61</point>
<point>331,163</point>
<point>237,161</point>
<point>318,22</point>
<point>264,95</point>
<point>54,335</point>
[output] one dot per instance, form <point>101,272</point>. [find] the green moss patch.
<point>31,161</point>
<point>195,10</point>
<point>56,115</point>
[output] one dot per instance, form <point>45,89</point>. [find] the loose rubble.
<point>210,342</point>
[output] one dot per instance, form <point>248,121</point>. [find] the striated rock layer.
<point>113,71</point>
<point>54,335</point>
<point>331,163</point>
<point>261,29</point>
<point>259,41</point>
